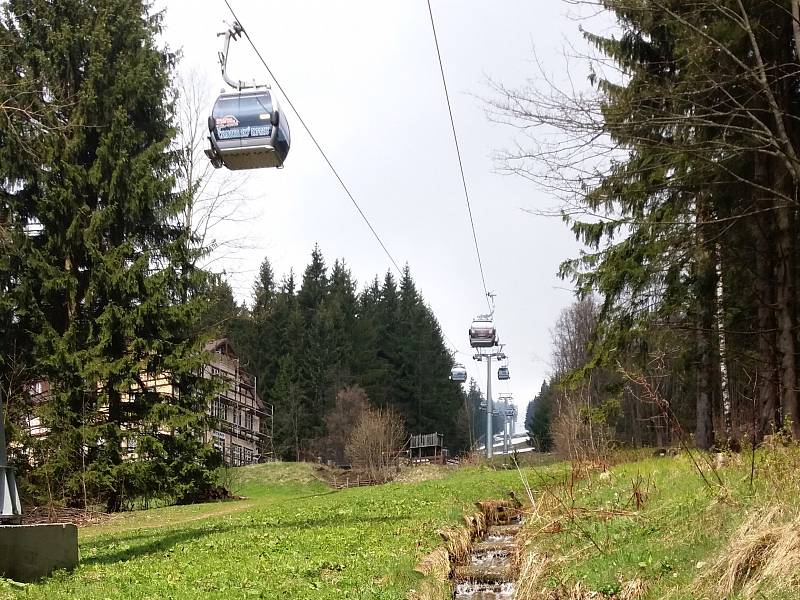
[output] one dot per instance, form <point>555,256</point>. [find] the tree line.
<point>307,340</point>
<point>680,174</point>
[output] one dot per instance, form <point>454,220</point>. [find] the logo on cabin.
<point>227,121</point>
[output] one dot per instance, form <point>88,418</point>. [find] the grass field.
<point>291,538</point>
<point>653,529</point>
<point>644,530</point>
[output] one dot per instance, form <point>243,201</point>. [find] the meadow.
<point>292,537</point>
<point>642,529</point>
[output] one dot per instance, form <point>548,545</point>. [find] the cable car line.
<point>483,334</point>
<point>458,154</point>
<point>313,139</point>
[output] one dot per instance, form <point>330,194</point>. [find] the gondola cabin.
<point>503,374</point>
<point>458,373</point>
<point>482,333</point>
<point>247,131</point>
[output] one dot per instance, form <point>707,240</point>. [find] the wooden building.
<point>243,431</point>
<point>428,448</point>
<point>244,422</point>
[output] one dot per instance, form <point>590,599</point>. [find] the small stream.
<point>490,572</point>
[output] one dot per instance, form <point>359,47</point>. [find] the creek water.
<point>489,575</point>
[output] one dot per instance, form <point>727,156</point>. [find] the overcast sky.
<point>365,78</point>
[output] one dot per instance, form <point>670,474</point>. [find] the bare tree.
<point>216,198</point>
<point>341,420</point>
<point>375,442</point>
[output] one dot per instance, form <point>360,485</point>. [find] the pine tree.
<point>263,289</point>
<point>537,419</point>
<point>108,291</point>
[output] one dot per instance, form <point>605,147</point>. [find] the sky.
<point>364,76</point>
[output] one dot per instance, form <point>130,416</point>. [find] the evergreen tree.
<point>476,405</point>
<point>537,419</point>
<point>314,342</point>
<point>263,289</point>
<point>221,310</point>
<point>109,291</point>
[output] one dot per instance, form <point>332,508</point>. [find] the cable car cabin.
<point>247,131</point>
<point>503,374</point>
<point>482,333</point>
<point>458,373</point>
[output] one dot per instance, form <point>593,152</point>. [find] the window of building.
<point>237,455</point>
<point>219,410</point>
<point>219,441</point>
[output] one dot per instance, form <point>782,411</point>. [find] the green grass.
<point>291,538</point>
<point>670,542</point>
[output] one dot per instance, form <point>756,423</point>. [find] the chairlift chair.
<point>246,128</point>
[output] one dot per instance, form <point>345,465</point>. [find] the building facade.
<point>243,422</point>
<point>243,432</point>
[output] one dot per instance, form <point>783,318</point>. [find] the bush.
<point>375,442</point>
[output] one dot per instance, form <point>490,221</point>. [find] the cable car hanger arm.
<point>234,32</point>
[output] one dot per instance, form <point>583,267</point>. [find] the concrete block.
<point>30,552</point>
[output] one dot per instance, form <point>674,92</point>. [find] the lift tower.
<point>10,508</point>
<point>489,407</point>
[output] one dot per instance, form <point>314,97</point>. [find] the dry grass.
<point>532,572</point>
<point>498,512</point>
<point>459,543</point>
<point>632,590</point>
<point>477,524</point>
<point>762,554</point>
<point>418,473</point>
<point>435,565</point>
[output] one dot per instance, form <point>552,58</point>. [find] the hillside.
<point>644,529</point>
<point>654,529</point>
<point>292,538</point>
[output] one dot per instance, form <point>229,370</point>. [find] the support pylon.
<point>10,507</point>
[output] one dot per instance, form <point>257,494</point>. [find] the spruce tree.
<point>263,289</point>
<point>111,296</point>
<point>537,419</point>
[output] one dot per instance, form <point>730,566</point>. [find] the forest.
<point>679,173</point>
<point>104,288</point>
<point>307,340</point>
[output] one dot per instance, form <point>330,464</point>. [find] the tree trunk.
<point>724,383</point>
<point>769,413</point>
<point>704,292</point>
<point>785,316</point>
<point>704,434</point>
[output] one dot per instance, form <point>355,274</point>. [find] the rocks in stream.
<point>482,591</point>
<point>490,573</point>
